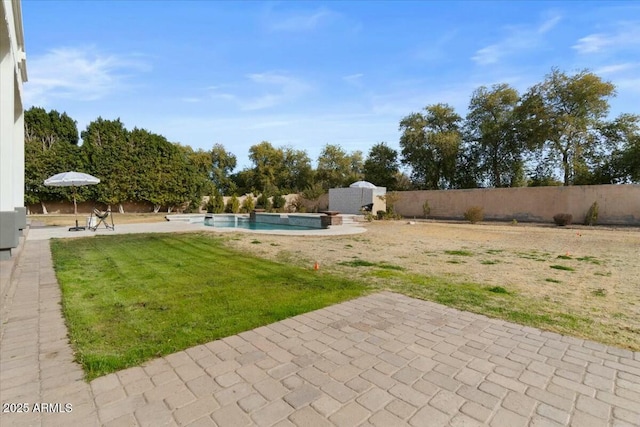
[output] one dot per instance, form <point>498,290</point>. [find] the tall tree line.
<point>557,128</point>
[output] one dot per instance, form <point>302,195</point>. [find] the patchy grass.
<point>489,262</point>
<point>562,267</point>
<point>590,259</point>
<point>533,255</point>
<point>363,263</point>
<point>550,280</point>
<point>129,298</point>
<point>492,301</point>
<point>495,251</point>
<point>600,292</point>
<point>459,253</point>
<point>357,263</point>
<point>498,290</point>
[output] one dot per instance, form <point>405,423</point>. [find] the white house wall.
<point>13,73</point>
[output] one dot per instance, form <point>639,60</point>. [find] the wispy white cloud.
<point>299,21</point>
<point>80,74</point>
<point>354,79</point>
<point>549,24</point>
<point>519,39</point>
<point>262,90</point>
<point>631,84</point>
<point>616,68</point>
<point>626,35</point>
<point>436,50</point>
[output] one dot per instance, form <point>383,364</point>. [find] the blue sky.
<point>305,74</point>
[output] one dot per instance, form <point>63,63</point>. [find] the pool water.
<point>248,225</point>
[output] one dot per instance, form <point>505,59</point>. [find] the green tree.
<point>200,160</point>
<point>40,165</point>
<point>616,159</point>
<point>49,127</point>
<point>222,164</point>
<point>111,158</point>
<point>51,147</point>
<point>336,168</point>
<point>560,115</point>
<point>630,159</point>
<point>491,135</point>
<point>430,144</point>
<point>268,166</point>
<point>183,184</point>
<point>381,167</point>
<point>275,170</point>
<point>244,181</point>
<point>297,171</point>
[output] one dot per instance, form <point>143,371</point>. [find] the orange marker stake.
<point>316,266</point>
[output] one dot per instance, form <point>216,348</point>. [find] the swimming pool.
<point>246,224</point>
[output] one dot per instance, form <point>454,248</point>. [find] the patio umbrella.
<point>73,180</point>
<point>362,185</point>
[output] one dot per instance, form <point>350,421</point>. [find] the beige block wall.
<point>618,204</point>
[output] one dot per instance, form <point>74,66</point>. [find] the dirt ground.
<point>590,271</point>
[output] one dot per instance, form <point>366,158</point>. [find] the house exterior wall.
<point>618,204</point>
<point>13,73</point>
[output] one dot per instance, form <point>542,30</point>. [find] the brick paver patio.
<point>380,360</point>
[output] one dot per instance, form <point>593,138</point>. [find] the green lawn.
<point>130,298</point>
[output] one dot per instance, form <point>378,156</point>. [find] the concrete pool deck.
<point>49,232</point>
<point>381,360</point>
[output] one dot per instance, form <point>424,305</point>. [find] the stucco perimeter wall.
<point>618,204</point>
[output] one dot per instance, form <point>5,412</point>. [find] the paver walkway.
<point>382,360</point>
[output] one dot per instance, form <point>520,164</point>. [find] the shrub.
<point>474,214</point>
<point>247,204</point>
<point>390,199</point>
<point>313,192</point>
<point>592,215</point>
<point>381,214</point>
<point>263,202</point>
<point>297,204</point>
<point>562,219</point>
<point>193,206</point>
<point>215,203</point>
<point>279,202</point>
<point>233,205</point>
<point>426,209</point>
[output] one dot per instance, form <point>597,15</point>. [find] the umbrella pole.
<point>75,212</point>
